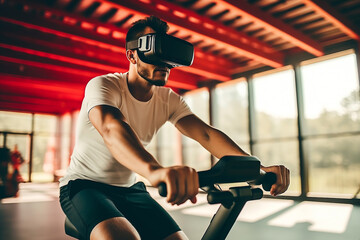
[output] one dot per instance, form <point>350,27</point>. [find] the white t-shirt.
<point>91,159</point>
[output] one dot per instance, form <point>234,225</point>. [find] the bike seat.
<point>71,230</point>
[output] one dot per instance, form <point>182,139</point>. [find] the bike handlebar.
<point>265,179</point>
<point>232,169</point>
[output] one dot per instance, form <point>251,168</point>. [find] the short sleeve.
<point>102,91</point>
<point>178,108</point>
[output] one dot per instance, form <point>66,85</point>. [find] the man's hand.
<point>182,183</point>
<point>282,179</point>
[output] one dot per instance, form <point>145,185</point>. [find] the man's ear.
<point>130,55</point>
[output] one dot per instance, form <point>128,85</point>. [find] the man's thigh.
<point>92,205</point>
<point>87,208</point>
<point>150,219</point>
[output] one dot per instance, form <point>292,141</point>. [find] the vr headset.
<point>163,50</point>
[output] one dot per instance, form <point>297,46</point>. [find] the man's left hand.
<point>282,179</point>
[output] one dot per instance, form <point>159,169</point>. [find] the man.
<point>119,115</point>
<point>16,161</point>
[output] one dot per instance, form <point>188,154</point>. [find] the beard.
<point>145,74</point>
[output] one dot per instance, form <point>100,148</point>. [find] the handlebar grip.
<point>162,189</point>
<point>219,197</point>
<point>268,180</point>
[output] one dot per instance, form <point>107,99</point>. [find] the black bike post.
<point>225,217</point>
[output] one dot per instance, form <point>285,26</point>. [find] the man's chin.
<point>159,83</point>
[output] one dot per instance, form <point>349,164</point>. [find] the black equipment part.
<point>232,169</point>
<point>163,50</point>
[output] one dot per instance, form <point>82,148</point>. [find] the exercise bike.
<point>229,169</point>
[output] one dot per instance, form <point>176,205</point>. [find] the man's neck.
<point>138,87</point>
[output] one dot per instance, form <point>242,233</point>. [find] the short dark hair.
<point>139,26</point>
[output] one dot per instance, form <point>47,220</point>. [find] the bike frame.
<point>225,217</point>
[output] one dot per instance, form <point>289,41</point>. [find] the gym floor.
<point>36,214</point>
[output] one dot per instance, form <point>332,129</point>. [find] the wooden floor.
<point>36,215</point>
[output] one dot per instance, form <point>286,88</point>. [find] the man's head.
<point>155,75</point>
<point>138,27</point>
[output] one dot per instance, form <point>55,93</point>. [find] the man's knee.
<point>180,235</point>
<point>114,228</point>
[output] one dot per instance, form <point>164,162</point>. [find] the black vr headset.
<point>163,50</point>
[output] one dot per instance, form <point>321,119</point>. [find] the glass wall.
<point>329,117</point>
<point>168,143</point>
<point>194,154</point>
<point>152,147</point>
<point>231,111</point>
<point>45,148</point>
<point>65,138</point>
<point>275,128</point>
<point>15,122</point>
<point>332,124</point>
<point>17,129</point>
<point>22,143</point>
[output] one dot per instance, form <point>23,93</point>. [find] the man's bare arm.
<point>121,140</point>
<point>124,145</point>
<point>215,141</point>
<point>219,145</point>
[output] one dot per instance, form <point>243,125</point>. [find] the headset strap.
<point>132,45</point>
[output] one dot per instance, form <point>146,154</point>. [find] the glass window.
<point>168,145</point>
<point>194,154</point>
<point>275,128</point>
<point>45,149</point>
<point>198,101</point>
<point>331,95</point>
<point>22,143</point>
<point>152,147</point>
<point>65,133</point>
<point>275,105</point>
<point>334,165</point>
<point>44,158</point>
<point>230,110</point>
<point>15,122</point>
<point>45,124</point>
<point>332,122</point>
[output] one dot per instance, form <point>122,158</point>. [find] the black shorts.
<point>87,203</point>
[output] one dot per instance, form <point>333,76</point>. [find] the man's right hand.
<point>182,183</point>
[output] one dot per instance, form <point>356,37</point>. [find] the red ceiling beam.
<point>76,61</point>
<point>276,25</point>
<point>60,46</point>
<point>74,26</point>
<point>331,15</point>
<point>18,68</point>
<point>181,85</point>
<point>200,62</point>
<point>50,103</point>
<point>65,59</point>
<point>75,33</point>
<point>57,68</point>
<point>45,88</point>
<point>35,108</point>
<point>204,28</point>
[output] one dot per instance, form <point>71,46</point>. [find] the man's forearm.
<point>128,150</point>
<point>219,144</point>
<point>122,141</point>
